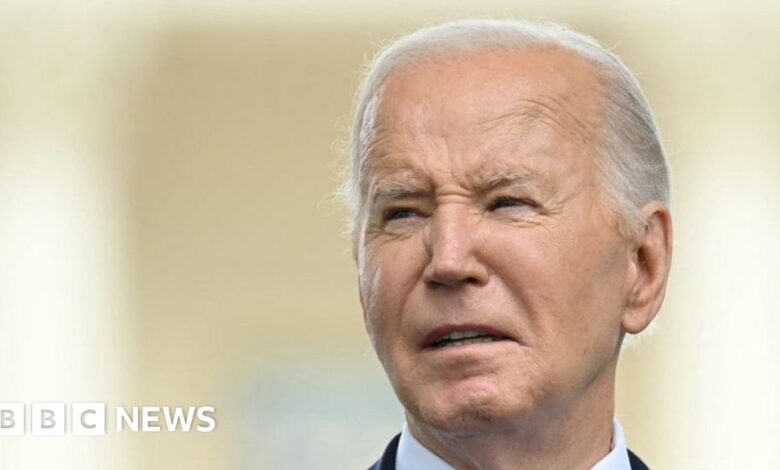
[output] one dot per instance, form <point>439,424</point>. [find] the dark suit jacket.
<point>387,461</point>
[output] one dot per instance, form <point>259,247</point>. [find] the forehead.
<point>497,102</point>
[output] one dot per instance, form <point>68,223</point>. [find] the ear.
<point>652,256</point>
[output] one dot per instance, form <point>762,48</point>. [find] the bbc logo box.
<point>49,419</point>
<point>11,419</point>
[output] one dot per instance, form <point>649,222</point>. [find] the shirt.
<point>413,456</point>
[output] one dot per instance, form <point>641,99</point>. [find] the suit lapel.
<point>636,462</point>
<point>387,461</point>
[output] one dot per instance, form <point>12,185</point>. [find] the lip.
<point>443,330</point>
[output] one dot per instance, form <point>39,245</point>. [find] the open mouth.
<point>463,338</point>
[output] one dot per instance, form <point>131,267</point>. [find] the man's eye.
<point>500,203</point>
<point>504,202</point>
<point>400,213</point>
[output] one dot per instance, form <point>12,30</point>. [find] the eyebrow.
<point>394,190</point>
<point>510,178</point>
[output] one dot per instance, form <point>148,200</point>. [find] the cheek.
<point>589,302</point>
<point>533,269</point>
<point>369,276</point>
<point>386,280</point>
<point>566,286</point>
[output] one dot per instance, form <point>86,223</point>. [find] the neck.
<point>572,436</point>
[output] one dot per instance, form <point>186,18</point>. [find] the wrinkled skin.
<point>483,210</point>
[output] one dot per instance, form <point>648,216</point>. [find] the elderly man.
<point>511,227</point>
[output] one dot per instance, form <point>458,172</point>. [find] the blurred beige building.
<point>168,234</point>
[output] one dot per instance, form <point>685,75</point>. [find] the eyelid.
<point>388,212</point>
<point>518,200</point>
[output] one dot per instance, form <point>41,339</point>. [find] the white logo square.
<point>88,419</point>
<point>48,419</point>
<point>11,419</point>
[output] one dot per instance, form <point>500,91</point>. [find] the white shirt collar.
<point>617,459</point>
<point>413,456</point>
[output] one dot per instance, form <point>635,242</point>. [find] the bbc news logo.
<point>90,419</point>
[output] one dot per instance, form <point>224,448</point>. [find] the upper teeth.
<point>462,334</point>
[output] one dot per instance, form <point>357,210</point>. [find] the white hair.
<point>632,163</point>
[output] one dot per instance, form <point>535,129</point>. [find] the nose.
<point>452,245</point>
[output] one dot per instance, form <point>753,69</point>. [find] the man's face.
<point>492,276</point>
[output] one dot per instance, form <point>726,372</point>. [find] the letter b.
<point>11,419</point>
<point>48,419</point>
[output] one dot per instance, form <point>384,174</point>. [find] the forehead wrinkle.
<point>407,175</point>
<point>551,110</point>
<point>395,163</point>
<point>371,144</point>
<point>386,132</point>
<point>401,178</point>
<point>377,147</point>
<point>486,181</point>
<point>383,120</point>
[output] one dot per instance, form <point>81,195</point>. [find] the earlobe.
<point>652,259</point>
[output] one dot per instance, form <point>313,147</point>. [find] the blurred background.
<point>169,234</point>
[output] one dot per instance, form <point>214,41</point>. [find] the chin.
<point>467,409</point>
